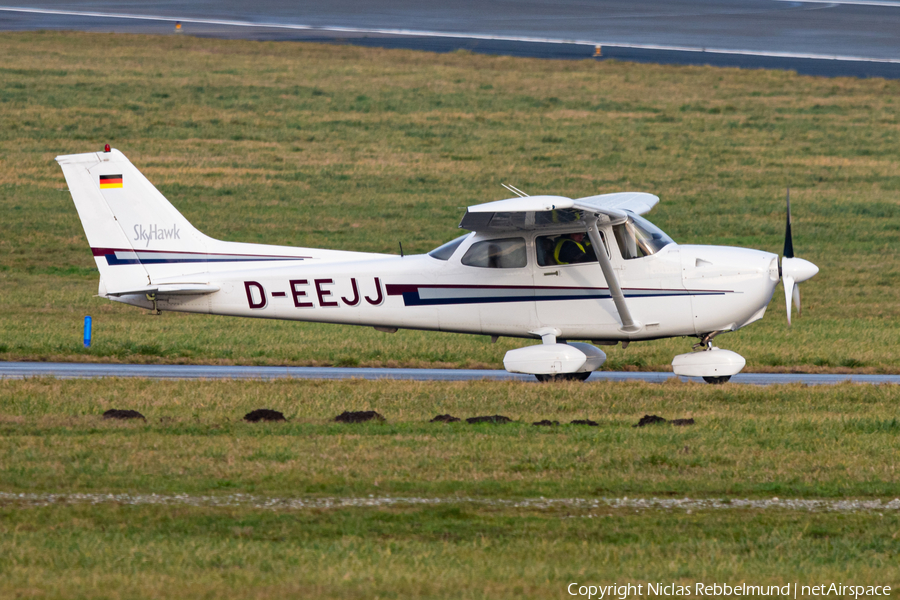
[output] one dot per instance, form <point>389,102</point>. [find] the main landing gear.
<point>563,377</point>
<point>555,361</point>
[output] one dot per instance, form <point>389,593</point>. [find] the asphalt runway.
<point>23,370</point>
<point>840,38</point>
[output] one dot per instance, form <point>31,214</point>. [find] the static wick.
<point>401,249</point>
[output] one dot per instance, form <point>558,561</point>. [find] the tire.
<point>563,377</point>
<point>579,376</point>
<point>717,380</point>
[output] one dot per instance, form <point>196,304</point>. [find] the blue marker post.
<point>87,331</point>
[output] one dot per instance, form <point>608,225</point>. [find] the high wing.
<point>636,202</point>
<point>536,212</point>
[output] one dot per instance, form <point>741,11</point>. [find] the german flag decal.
<point>110,181</point>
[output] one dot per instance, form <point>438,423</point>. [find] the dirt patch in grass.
<point>654,420</point>
<point>445,419</point>
<point>263,414</point>
<point>495,419</point>
<point>587,422</point>
<point>360,416</point>
<point>649,420</point>
<point>115,413</point>
<point>545,423</point>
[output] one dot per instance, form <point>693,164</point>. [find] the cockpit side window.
<point>508,253</point>
<point>566,249</point>
<point>638,237</point>
<point>446,251</point>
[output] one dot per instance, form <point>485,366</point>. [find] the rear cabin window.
<point>508,253</point>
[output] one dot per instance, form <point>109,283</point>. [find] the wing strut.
<point>629,325</point>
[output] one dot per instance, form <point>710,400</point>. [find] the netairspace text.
<point>790,590</point>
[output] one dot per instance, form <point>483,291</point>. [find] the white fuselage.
<point>679,291</point>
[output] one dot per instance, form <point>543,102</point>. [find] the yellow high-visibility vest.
<point>559,245</point>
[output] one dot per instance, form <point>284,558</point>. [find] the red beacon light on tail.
<point>106,148</point>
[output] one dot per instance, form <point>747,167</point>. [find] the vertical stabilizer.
<point>126,219</point>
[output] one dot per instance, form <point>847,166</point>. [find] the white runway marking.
<point>886,3</point>
<point>457,35</point>
<point>638,504</point>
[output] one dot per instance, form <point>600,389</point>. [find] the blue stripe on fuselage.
<point>413,299</point>
<point>113,260</point>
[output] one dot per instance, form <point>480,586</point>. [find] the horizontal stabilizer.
<point>172,289</point>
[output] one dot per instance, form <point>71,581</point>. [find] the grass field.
<point>796,441</point>
<point>346,148</point>
<point>456,552</point>
<point>748,442</point>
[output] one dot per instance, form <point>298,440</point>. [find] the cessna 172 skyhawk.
<point>508,277</point>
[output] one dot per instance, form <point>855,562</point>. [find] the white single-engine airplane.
<point>530,268</point>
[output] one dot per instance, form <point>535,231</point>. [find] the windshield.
<point>446,251</point>
<point>638,237</point>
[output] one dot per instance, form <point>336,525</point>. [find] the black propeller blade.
<point>788,238</point>
<point>793,270</point>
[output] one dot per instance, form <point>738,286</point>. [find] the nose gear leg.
<point>705,342</point>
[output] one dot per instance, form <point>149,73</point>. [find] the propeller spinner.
<point>793,270</point>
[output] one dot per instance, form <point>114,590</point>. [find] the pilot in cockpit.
<point>573,248</point>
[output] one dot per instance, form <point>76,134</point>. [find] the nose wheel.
<point>714,365</point>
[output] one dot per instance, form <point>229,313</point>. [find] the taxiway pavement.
<point>815,37</point>
<point>22,370</point>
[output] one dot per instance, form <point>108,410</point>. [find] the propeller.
<point>793,270</point>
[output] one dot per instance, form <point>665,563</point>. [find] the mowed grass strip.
<point>747,441</point>
<point>342,147</point>
<point>113,551</point>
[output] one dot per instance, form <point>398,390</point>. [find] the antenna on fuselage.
<point>515,190</point>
